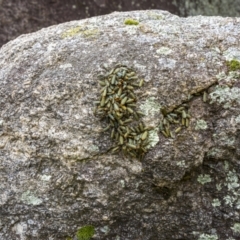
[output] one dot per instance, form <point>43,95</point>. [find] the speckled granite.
<point>57,173</point>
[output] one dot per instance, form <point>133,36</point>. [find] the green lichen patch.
<point>213,152</point>
<point>80,30</point>
<point>232,185</point>
<point>154,16</point>
<point>229,200</point>
<point>232,180</point>
<point>236,228</point>
<point>29,198</point>
<point>219,186</point>
<point>216,202</point>
<point>181,163</point>
<point>233,65</point>
<point>72,32</point>
<point>105,229</point>
<point>150,107</point>
<point>85,232</point>
<point>204,178</point>
<point>46,178</point>
<point>130,21</point>
<point>201,125</point>
<point>164,51</point>
<point>225,95</point>
<point>208,237</point>
<point>237,119</point>
<point>228,78</point>
<point>90,32</point>
<point>93,148</point>
<point>153,138</point>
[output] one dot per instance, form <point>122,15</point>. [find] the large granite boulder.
<point>57,171</point>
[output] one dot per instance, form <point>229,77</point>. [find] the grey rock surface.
<point>56,171</point>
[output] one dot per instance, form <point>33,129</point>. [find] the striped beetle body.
<point>179,118</point>
<point>117,105</point>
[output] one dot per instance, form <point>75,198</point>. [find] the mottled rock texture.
<point>56,171</point>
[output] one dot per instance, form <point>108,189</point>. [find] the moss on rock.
<point>130,21</point>
<point>233,65</point>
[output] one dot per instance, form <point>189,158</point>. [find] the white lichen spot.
<point>237,204</point>
<point>226,166</point>
<point>220,76</point>
<point>93,148</point>
<point>216,202</point>
<point>153,138</point>
<point>164,51</point>
<point>136,168</point>
<point>229,200</point>
<point>233,185</point>
<point>46,177</point>
<point>105,229</point>
<point>140,67</point>
<point>236,228</point>
<point>201,125</point>
<point>167,63</point>
<point>237,119</point>
<point>51,47</point>
<point>204,178</point>
<point>122,182</point>
<point>213,152</point>
<point>208,237</point>
<point>65,66</point>
<point>20,229</point>
<point>232,181</point>
<point>218,186</point>
<point>181,163</point>
<point>150,107</point>
<point>217,49</point>
<point>29,198</point>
